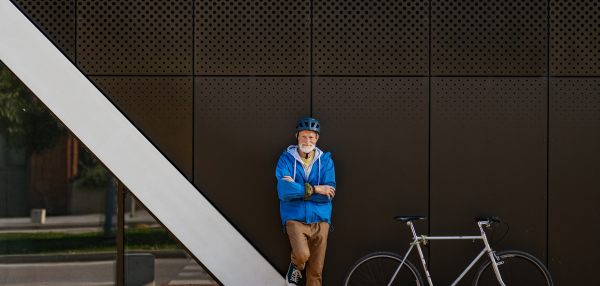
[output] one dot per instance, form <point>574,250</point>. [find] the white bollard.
<point>139,269</point>
<point>38,216</point>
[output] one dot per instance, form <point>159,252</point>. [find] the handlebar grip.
<point>494,218</point>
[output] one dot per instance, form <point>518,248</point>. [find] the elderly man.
<point>306,185</point>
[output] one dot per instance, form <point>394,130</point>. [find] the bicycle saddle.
<point>409,218</point>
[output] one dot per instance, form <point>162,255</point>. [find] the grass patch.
<point>56,242</point>
<point>149,239</point>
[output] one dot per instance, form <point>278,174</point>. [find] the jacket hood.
<point>293,150</point>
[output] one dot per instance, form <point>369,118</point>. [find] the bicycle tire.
<point>377,269</point>
<point>519,268</point>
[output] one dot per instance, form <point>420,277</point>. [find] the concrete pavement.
<point>179,271</point>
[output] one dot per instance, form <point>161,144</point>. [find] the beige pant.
<point>309,242</point>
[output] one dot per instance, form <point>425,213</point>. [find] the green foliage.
<point>91,174</point>
<point>57,242</point>
<point>26,124</point>
<point>94,177</point>
<point>149,239</point>
<point>53,242</point>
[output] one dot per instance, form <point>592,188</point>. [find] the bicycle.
<point>507,268</point>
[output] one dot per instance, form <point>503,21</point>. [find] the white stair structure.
<point>79,105</point>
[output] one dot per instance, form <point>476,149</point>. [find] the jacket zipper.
<point>306,177</point>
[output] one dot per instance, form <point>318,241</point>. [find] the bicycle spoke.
<point>369,276</point>
<point>381,275</point>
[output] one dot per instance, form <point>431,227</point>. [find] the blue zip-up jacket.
<point>291,194</point>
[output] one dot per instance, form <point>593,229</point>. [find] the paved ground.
<point>179,271</point>
<point>67,274</point>
<point>168,271</point>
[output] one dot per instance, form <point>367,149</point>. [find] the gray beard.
<point>306,149</point>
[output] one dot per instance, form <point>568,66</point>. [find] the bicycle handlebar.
<point>493,218</point>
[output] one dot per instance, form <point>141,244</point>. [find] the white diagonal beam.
<point>128,154</point>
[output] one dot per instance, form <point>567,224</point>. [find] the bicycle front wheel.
<point>378,268</point>
<point>517,269</point>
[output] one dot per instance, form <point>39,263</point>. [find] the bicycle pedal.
<point>499,263</point>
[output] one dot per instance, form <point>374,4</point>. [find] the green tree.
<point>25,122</point>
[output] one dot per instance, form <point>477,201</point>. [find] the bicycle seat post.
<point>416,240</point>
<point>412,227</point>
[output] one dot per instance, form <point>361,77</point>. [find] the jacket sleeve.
<point>286,190</point>
<point>328,178</point>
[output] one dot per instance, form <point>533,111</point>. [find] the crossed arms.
<point>288,189</point>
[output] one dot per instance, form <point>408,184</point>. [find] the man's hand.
<point>329,191</point>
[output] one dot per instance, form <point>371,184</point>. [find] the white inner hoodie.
<point>293,149</point>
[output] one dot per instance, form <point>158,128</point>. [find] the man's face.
<point>307,140</point>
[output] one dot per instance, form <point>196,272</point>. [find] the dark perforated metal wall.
<point>254,37</point>
<point>573,177</point>
<point>135,37</point>
<point>488,155</point>
<point>376,131</point>
<point>574,38</point>
<point>241,126</point>
<point>161,107</point>
<point>371,37</point>
<point>56,19</point>
<point>472,37</point>
<point>446,108</point>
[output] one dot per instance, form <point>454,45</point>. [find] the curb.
<point>85,257</point>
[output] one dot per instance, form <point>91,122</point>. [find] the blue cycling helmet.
<point>308,123</point>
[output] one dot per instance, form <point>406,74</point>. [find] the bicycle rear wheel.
<point>518,268</point>
<point>377,269</point>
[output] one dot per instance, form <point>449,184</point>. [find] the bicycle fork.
<point>492,255</point>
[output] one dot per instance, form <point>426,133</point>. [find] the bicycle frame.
<point>423,239</point>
